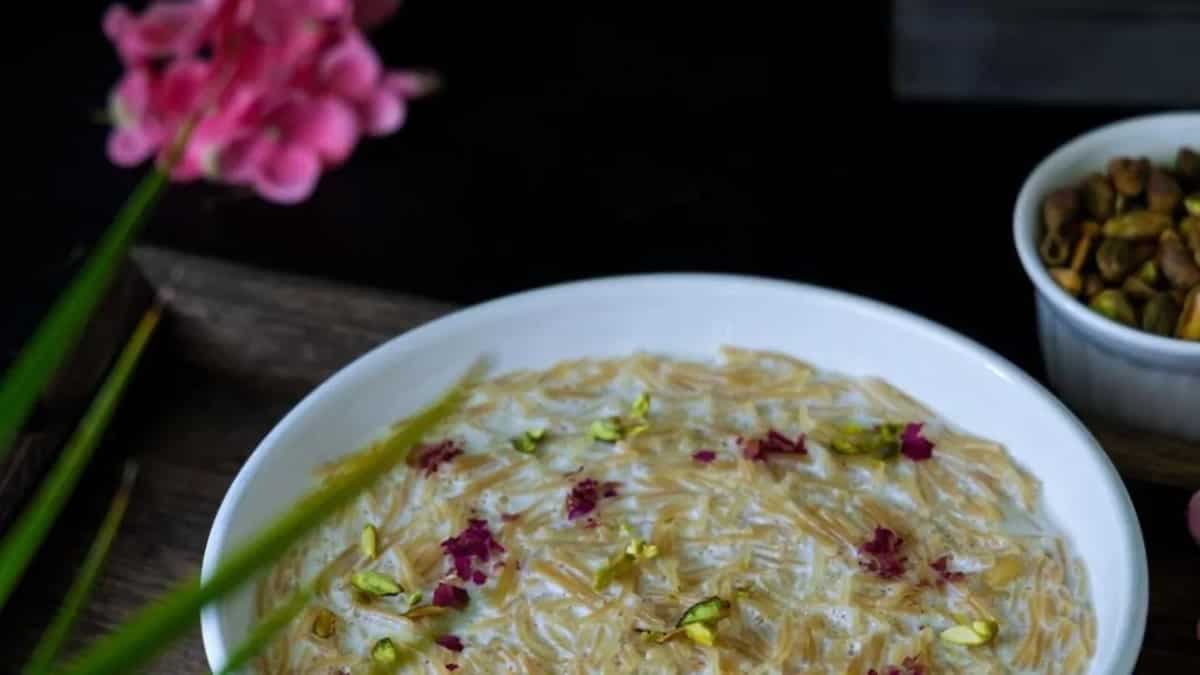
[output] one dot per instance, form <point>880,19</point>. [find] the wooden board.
<point>240,347</point>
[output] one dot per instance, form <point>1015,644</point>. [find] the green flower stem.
<point>153,628</point>
<point>48,648</point>
<point>58,332</point>
<point>265,631</point>
<point>19,545</point>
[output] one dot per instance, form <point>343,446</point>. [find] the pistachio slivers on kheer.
<point>651,515</point>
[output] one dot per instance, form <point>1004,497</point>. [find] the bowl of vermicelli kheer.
<point>692,474</point>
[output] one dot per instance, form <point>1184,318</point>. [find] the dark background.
<point>876,149</point>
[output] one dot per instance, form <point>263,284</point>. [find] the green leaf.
<point>24,538</point>
<point>265,631</point>
<point>156,626</point>
<point>58,332</point>
<point>57,632</point>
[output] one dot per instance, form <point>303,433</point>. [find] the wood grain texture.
<point>1066,51</point>
<point>240,348</point>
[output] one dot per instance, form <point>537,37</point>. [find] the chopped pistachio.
<point>641,406</point>
<point>616,566</point>
<point>375,583</point>
<point>963,635</point>
<point>845,447</point>
<point>1055,248</point>
<point>368,541</point>
<point>384,652</point>
<point>1177,264</point>
<point>414,598</point>
<point>608,430</point>
<point>1139,224</point>
<point>623,562</point>
<point>527,442</point>
<point>699,623</point>
<point>971,634</point>
<point>638,548</point>
<point>701,633</point>
<point>1148,272</point>
<point>1113,304</point>
<point>985,628</point>
<point>709,609</point>
<point>1070,280</point>
<point>324,624</point>
<point>882,441</point>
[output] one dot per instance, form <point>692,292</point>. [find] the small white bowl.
<point>1100,367</point>
<point>692,316</point>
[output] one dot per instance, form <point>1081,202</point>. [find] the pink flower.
<point>275,91</point>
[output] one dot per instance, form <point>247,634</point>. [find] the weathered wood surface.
<point>242,346</point>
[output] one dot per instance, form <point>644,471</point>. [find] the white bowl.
<point>692,316</point>
<point>1098,366</point>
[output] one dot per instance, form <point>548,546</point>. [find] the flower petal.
<point>350,68</point>
<point>288,175</point>
<point>130,99</point>
<point>382,113</point>
<point>239,161</point>
<point>327,125</point>
<point>180,89</point>
<point>129,146</point>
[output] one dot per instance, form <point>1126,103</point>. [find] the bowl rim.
<point>215,642</point>
<point>1024,236</point>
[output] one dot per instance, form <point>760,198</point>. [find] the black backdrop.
<point>581,139</point>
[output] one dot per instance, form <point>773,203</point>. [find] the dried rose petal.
<point>586,494</point>
<point>446,595</point>
<point>913,445</point>
<point>509,517</point>
<point>773,443</point>
<point>704,456</point>
<point>477,542</point>
<point>430,457</point>
<point>941,566</point>
<point>479,578</point>
<point>451,642</point>
<point>881,555</point>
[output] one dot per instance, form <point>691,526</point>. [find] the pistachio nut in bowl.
<point>1107,227</point>
<point>679,473</point>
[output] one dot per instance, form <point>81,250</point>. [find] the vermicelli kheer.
<point>652,515</point>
